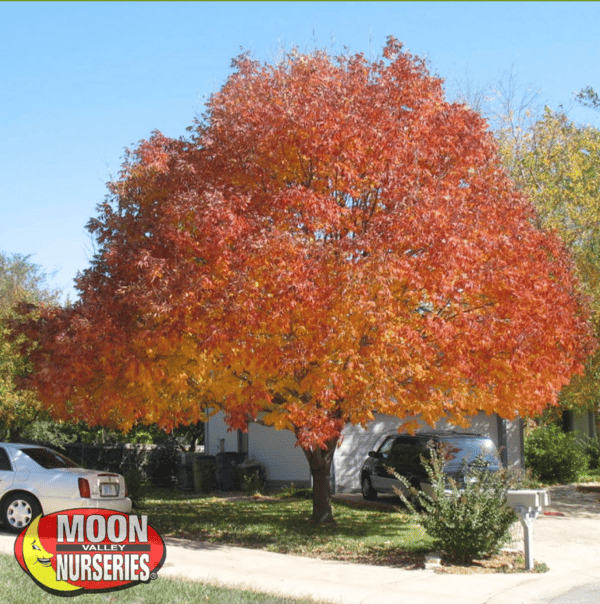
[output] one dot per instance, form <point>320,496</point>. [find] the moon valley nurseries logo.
<point>79,551</point>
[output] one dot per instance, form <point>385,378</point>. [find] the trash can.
<point>196,472</point>
<point>226,474</point>
<point>203,471</point>
<point>185,476</point>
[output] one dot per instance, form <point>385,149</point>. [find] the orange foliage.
<point>334,240</point>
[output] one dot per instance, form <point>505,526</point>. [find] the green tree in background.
<point>21,415</point>
<point>557,163</point>
<point>588,97</point>
<point>20,281</point>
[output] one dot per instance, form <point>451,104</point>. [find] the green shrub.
<point>163,465</point>
<point>134,480</point>
<point>468,521</point>
<point>253,479</point>
<point>554,456</point>
<point>591,447</point>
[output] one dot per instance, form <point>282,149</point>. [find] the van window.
<point>406,455</point>
<point>4,460</point>
<point>386,447</point>
<point>467,450</point>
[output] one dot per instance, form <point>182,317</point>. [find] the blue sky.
<point>81,81</point>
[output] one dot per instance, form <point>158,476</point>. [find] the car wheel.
<point>368,492</point>
<point>18,510</point>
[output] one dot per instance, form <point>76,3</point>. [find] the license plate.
<point>109,489</point>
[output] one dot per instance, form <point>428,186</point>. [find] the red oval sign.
<point>89,550</point>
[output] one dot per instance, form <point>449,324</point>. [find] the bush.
<point>466,522</point>
<point>253,478</point>
<point>554,456</point>
<point>591,447</point>
<point>163,465</point>
<point>134,480</point>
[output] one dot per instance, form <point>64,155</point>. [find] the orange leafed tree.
<point>333,239</point>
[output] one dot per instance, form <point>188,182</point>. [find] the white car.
<point>36,480</point>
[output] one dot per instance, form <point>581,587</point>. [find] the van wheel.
<point>368,492</point>
<point>18,510</point>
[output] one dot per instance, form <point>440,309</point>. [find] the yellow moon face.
<point>39,561</point>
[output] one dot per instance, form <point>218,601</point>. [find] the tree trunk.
<point>15,433</point>
<point>319,461</point>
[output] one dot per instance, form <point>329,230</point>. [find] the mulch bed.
<point>504,562</point>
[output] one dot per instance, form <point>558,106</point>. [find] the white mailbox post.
<point>528,504</point>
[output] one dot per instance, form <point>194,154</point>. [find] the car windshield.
<point>459,451</point>
<point>49,459</point>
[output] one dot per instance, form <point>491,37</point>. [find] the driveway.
<point>577,501</point>
<point>567,538</point>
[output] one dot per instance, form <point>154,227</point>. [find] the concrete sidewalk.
<point>569,545</point>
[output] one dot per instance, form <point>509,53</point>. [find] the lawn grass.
<point>279,523</point>
<point>17,588</point>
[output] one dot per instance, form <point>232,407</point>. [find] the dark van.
<point>403,453</point>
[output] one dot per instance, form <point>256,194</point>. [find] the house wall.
<point>285,463</point>
<point>217,437</point>
<point>277,450</point>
